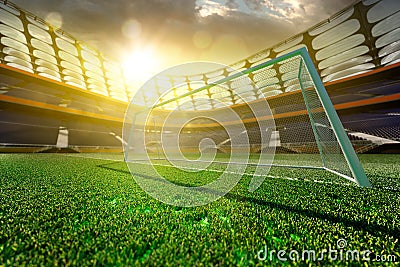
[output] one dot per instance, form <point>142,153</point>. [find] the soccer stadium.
<point>286,157</point>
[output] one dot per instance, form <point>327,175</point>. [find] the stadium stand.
<point>52,84</point>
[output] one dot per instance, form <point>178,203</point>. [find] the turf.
<point>61,210</point>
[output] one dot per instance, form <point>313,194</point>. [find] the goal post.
<point>232,121</point>
<point>307,68</point>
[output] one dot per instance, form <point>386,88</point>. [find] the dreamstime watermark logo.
<point>340,252</point>
<point>178,113</point>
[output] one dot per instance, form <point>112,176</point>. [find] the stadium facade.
<point>59,94</point>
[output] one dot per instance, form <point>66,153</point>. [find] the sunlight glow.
<point>139,66</point>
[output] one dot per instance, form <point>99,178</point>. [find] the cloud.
<point>232,4</point>
<point>208,7</point>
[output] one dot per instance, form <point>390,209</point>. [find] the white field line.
<point>87,157</point>
<point>211,170</point>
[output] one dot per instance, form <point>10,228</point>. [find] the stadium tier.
<point>58,92</point>
<point>288,157</point>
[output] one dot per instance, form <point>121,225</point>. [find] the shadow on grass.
<point>357,225</point>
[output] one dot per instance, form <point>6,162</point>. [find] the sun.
<point>140,65</point>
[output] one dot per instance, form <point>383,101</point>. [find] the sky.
<point>169,32</point>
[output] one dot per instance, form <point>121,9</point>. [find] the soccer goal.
<point>244,121</point>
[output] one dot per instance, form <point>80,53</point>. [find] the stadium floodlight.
<point>234,122</point>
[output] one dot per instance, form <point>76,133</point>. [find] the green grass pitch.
<point>63,210</point>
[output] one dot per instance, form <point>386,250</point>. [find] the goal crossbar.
<point>306,69</point>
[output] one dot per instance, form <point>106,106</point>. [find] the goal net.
<point>208,117</point>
